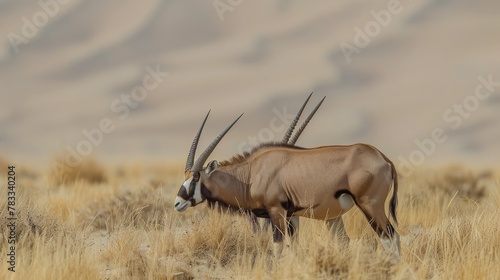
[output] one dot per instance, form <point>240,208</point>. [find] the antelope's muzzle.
<point>180,204</point>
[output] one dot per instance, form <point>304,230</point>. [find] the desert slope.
<point>260,57</point>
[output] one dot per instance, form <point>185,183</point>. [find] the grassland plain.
<point>99,222</point>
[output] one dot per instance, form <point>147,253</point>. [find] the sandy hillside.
<point>73,69</point>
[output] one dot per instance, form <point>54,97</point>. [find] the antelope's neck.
<point>232,183</point>
<point>240,172</point>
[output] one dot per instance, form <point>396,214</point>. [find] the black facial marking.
<point>192,186</point>
<point>182,193</point>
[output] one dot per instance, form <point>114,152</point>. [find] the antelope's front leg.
<point>277,216</point>
<point>253,221</point>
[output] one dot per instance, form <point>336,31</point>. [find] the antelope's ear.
<point>211,167</point>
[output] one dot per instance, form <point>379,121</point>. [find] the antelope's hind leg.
<point>379,222</point>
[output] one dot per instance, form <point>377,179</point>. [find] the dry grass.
<point>124,227</point>
<point>64,172</point>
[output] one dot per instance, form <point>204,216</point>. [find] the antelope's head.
<point>191,191</point>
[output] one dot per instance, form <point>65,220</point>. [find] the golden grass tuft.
<point>125,228</point>
<point>139,207</point>
<point>456,179</point>
<point>88,170</point>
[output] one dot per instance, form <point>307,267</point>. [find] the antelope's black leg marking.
<point>291,229</point>
<point>277,234</point>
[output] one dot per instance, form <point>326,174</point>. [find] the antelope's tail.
<point>394,199</point>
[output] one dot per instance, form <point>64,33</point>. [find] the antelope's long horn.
<point>192,151</point>
<point>297,134</point>
<point>294,122</point>
<point>203,157</point>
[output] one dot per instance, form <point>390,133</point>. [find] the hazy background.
<point>252,58</point>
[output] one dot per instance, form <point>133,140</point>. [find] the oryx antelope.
<point>277,181</point>
<point>293,222</point>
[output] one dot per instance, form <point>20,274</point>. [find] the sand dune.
<point>260,57</point>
